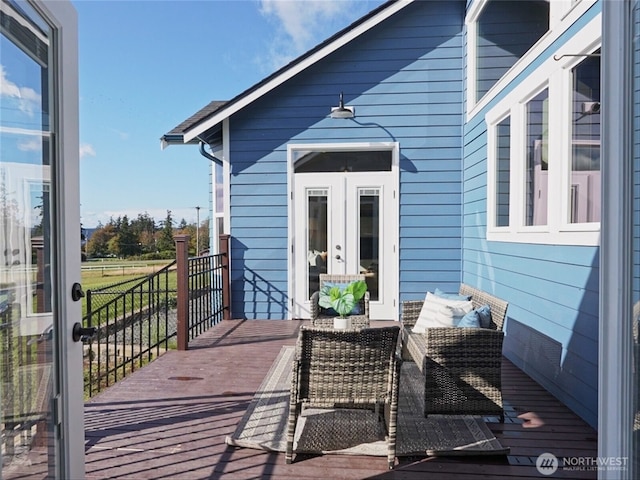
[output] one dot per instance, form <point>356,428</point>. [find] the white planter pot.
<point>340,323</point>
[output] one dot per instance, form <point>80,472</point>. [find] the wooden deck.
<point>169,421</point>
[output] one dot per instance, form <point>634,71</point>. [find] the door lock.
<point>76,292</point>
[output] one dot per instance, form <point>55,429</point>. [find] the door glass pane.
<point>585,154</point>
<point>349,161</point>
<point>503,172</point>
<point>537,159</point>
<point>26,323</point>
<point>317,210</point>
<point>369,207</point>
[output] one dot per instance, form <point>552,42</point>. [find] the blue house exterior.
<point>435,86</point>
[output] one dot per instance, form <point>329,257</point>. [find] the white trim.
<point>392,215</point>
<point>226,175</point>
<point>552,74</point>
<point>545,42</point>
<point>288,73</point>
<point>615,354</point>
<point>66,180</point>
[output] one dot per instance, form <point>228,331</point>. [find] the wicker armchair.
<point>358,368</point>
<point>320,319</point>
<point>462,366</point>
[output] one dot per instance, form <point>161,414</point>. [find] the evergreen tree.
<point>165,237</point>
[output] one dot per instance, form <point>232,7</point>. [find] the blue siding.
<point>553,291</point>
<point>405,79</point>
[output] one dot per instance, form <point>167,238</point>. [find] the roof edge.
<point>298,65</point>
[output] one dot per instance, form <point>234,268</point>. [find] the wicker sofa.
<point>321,319</point>
<point>461,366</point>
<point>357,368</point>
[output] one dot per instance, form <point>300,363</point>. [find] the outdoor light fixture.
<point>341,111</point>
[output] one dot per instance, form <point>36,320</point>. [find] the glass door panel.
<point>33,252</point>
<point>316,238</point>
<point>369,222</point>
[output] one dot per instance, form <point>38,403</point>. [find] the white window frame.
<point>554,74</point>
<point>562,15</point>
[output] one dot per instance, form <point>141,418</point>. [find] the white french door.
<point>41,379</point>
<point>346,223</point>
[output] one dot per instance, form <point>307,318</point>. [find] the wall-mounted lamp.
<point>341,111</point>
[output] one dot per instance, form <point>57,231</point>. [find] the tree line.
<point>143,238</point>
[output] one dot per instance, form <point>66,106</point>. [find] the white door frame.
<point>67,403</point>
<point>391,211</point>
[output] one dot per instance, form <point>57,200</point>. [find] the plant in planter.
<point>342,299</point>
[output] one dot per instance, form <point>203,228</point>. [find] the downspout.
<point>206,154</point>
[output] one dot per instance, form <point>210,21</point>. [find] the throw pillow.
<point>448,316</point>
<point>484,312</point>
<point>451,296</point>
<point>470,320</point>
<point>429,314</point>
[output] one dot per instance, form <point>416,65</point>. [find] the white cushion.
<point>441,312</point>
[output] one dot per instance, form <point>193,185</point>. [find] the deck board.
<point>169,421</point>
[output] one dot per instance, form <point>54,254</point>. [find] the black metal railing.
<point>205,293</point>
<point>138,323</point>
<point>134,326</point>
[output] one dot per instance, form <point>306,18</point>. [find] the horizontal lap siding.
<point>552,290</point>
<point>405,78</point>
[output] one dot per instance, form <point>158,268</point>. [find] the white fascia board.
<point>295,69</point>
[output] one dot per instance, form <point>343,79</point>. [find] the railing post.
<point>223,243</point>
<point>182,266</point>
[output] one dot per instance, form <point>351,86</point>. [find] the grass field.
<point>101,273</point>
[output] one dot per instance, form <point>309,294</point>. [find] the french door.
<point>41,380</point>
<point>346,223</point>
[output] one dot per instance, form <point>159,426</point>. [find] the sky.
<point>147,65</point>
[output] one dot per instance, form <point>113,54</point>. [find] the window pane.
<point>537,159</point>
<point>351,161</point>
<point>316,237</point>
<point>370,238</point>
<point>506,31</point>
<point>585,151</point>
<point>503,172</point>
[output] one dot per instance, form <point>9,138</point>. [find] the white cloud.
<point>31,145</point>
<point>28,99</point>
<point>303,24</point>
<point>87,150</point>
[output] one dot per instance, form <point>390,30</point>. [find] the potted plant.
<point>343,300</point>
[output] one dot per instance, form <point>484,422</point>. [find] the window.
<point>503,172</point>
<point>585,142</point>
<point>503,33</point>
<point>537,182</point>
<point>543,151</point>
<point>504,37</point>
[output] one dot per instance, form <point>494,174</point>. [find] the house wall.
<point>405,79</point>
<point>553,290</point>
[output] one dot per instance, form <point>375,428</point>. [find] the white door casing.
<point>356,215</point>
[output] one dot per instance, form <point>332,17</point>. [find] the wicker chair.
<point>357,368</point>
<point>321,319</point>
<point>462,366</point>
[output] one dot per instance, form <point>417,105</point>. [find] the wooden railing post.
<point>182,266</point>
<point>223,244</point>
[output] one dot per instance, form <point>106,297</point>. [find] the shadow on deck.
<point>169,421</point>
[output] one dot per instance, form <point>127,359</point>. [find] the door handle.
<point>83,334</point>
